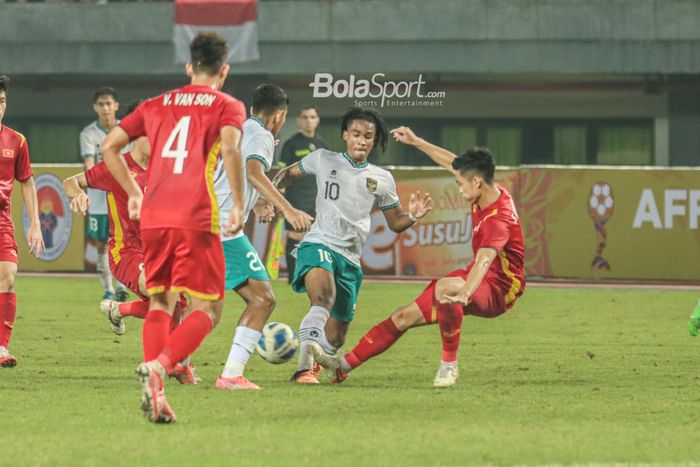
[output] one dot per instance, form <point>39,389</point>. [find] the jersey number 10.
<point>332,191</point>
<point>176,145</point>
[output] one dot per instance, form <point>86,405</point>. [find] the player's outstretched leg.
<point>377,340</point>
<point>694,321</point>
<point>449,317</point>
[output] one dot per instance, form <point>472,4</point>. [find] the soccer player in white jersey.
<point>105,106</point>
<point>245,272</point>
<point>328,259</point>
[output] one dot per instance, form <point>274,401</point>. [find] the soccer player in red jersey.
<point>14,164</point>
<point>124,245</point>
<point>188,128</point>
<point>487,287</point>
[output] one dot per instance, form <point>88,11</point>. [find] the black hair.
<point>105,91</point>
<point>4,82</point>
<point>306,107</point>
<point>132,106</point>
<point>268,98</point>
<point>208,52</point>
<point>381,136</point>
<point>478,159</point>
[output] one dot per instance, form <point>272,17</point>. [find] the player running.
<point>488,287</point>
<point>245,273</point>
<point>188,128</point>
<point>124,244</point>
<point>328,259</point>
<point>14,164</point>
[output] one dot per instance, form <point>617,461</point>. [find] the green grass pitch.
<point>567,376</point>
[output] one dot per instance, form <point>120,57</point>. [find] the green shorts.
<point>98,227</point>
<point>242,263</point>
<point>347,275</point>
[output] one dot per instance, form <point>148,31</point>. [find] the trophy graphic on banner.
<point>601,208</point>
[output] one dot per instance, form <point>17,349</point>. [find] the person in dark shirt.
<point>302,194</point>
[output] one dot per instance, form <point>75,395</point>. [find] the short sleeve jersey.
<point>124,233</point>
<point>90,139</point>
<point>257,144</point>
<point>497,226</point>
<point>14,165</point>
<point>347,192</point>
<point>183,127</point>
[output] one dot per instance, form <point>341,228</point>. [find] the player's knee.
<point>405,317</point>
<point>7,283</point>
<point>324,298</point>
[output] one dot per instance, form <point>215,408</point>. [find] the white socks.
<point>244,342</point>
<point>104,273</point>
<point>311,331</point>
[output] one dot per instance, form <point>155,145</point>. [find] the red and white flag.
<point>235,20</point>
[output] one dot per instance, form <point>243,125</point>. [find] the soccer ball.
<point>278,343</point>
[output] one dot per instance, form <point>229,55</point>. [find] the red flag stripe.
<point>215,12</point>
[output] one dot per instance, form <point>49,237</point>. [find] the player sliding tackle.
<point>188,128</point>
<point>245,273</point>
<point>328,259</point>
<point>488,286</point>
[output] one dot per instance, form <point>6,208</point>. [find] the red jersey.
<point>498,226</point>
<point>183,127</point>
<point>124,233</point>
<point>14,164</point>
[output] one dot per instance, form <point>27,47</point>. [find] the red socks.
<point>449,318</point>
<point>377,340</point>
<point>8,310</point>
<point>156,329</point>
<point>185,339</point>
<point>137,309</point>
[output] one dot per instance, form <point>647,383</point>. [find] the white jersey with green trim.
<point>258,143</point>
<point>347,192</point>
<point>90,139</point>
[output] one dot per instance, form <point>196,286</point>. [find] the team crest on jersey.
<point>9,153</point>
<point>371,185</point>
<point>333,173</point>
<point>312,147</point>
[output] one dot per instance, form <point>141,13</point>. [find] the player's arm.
<point>233,166</point>
<point>440,156</point>
<point>418,207</point>
<point>287,175</point>
<point>111,147</point>
<point>482,262</point>
<point>255,173</point>
<point>34,237</point>
<point>74,187</point>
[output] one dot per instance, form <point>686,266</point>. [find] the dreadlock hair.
<point>381,136</point>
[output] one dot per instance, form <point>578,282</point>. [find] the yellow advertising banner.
<point>610,223</point>
<point>64,234</point>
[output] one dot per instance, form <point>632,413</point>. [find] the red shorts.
<point>8,247</point>
<point>179,260</point>
<point>487,302</point>
<point>128,269</point>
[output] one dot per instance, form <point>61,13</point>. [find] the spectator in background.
<point>105,105</point>
<point>302,194</point>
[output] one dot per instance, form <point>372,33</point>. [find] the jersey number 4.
<point>176,145</point>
